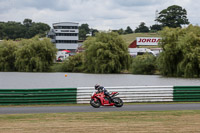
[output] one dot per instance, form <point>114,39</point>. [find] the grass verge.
<point>103,122</point>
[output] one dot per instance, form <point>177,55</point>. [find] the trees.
<point>174,16</point>
<point>120,31</point>
<point>14,30</point>
<point>36,29</point>
<point>172,54</point>
<point>28,55</point>
<point>156,27</point>
<point>94,31</point>
<point>83,30</point>
<point>27,22</point>
<point>142,28</point>
<point>106,53</point>
<point>128,30</point>
<point>35,55</point>
<point>190,46</point>
<point>181,52</point>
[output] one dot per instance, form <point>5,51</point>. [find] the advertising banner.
<point>147,41</point>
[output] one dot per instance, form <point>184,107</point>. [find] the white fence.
<point>131,93</point>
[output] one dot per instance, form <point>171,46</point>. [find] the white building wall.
<point>67,38</point>
<point>65,28</point>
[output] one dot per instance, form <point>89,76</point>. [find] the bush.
<point>7,55</point>
<point>73,63</point>
<point>57,67</point>
<point>143,64</point>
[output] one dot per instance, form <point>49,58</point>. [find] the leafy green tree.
<point>143,64</point>
<point>156,27</point>
<point>128,30</point>
<point>172,54</point>
<point>35,55</point>
<point>142,28</point>
<point>7,55</point>
<point>2,27</point>
<point>83,30</point>
<point>27,22</point>
<point>94,31</point>
<point>37,29</point>
<point>120,31</point>
<point>181,52</point>
<point>174,16</point>
<point>15,30</point>
<point>33,28</point>
<point>190,46</point>
<point>106,53</point>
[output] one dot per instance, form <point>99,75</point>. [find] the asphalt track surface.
<point>88,108</point>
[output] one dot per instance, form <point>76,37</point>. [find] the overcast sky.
<point>99,14</point>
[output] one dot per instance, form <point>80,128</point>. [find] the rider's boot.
<point>110,99</point>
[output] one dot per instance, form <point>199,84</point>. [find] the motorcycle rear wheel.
<point>95,104</point>
<point>118,102</point>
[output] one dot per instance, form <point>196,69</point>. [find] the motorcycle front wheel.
<point>118,102</point>
<point>95,104</point>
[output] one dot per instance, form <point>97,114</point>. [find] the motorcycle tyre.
<point>97,105</point>
<point>120,104</point>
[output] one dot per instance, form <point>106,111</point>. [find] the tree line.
<point>174,16</point>
<point>108,53</point>
<point>27,55</point>
<point>28,29</point>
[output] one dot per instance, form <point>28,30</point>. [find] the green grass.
<point>103,122</point>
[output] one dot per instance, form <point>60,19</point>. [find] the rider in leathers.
<point>102,89</point>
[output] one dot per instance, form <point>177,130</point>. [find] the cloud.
<point>100,14</point>
<point>7,5</point>
<point>136,3</point>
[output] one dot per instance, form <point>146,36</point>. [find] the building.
<point>65,36</point>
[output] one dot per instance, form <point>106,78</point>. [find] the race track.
<point>88,108</point>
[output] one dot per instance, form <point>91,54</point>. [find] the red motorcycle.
<point>99,99</point>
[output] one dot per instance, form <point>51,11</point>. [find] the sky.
<point>98,14</point>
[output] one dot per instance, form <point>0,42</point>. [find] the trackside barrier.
<point>83,94</point>
<point>131,93</point>
<point>186,93</point>
<point>38,96</point>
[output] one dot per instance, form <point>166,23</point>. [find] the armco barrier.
<point>186,93</point>
<point>131,93</point>
<point>38,96</point>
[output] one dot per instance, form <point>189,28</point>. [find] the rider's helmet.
<point>96,86</point>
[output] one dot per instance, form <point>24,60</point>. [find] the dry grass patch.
<point>103,122</point>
